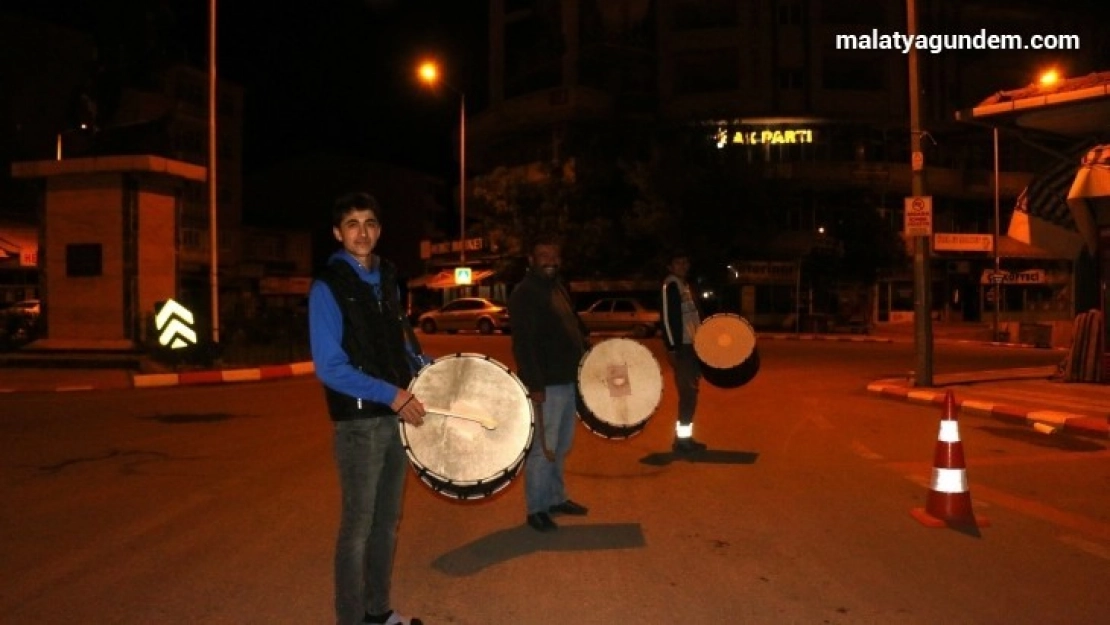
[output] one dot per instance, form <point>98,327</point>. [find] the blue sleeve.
<point>333,367</point>
<point>419,360</point>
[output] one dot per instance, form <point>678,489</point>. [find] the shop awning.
<point>1089,198</point>
<point>445,279</point>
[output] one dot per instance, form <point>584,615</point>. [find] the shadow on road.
<point>709,456</point>
<point>520,541</point>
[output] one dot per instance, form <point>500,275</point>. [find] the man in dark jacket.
<point>680,322</point>
<point>548,343</point>
<point>365,358</point>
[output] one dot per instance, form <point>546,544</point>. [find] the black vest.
<point>373,335</point>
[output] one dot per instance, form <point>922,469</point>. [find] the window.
<point>698,14</point>
<point>790,13</point>
<point>603,306</point>
<point>84,260</point>
<point>853,73</point>
<point>790,79</point>
<point>623,306</point>
<point>701,71</point>
<point>857,12</point>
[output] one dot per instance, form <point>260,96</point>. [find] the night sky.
<point>321,76</point>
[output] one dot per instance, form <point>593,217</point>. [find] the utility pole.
<point>213,194</point>
<point>923,287</point>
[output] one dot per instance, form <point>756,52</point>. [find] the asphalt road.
<point>218,505</point>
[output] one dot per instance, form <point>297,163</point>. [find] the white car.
<point>467,313</point>
<point>620,314</point>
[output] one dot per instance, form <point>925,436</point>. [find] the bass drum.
<point>479,426</point>
<point>620,384</point>
<point>726,348</point>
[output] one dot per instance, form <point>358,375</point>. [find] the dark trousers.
<point>372,465</point>
<point>687,375</point>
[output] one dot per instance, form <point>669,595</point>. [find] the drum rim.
<point>504,477</point>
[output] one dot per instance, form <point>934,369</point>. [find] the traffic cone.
<point>949,501</point>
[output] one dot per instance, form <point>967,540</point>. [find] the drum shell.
<point>458,458</point>
<point>735,376</point>
<point>620,385</point>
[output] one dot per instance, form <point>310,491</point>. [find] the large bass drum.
<point>478,428</point>
<point>619,387</point>
<point>726,348</point>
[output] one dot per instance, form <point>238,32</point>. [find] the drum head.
<point>619,386</point>
<point>458,457</point>
<point>724,341</point>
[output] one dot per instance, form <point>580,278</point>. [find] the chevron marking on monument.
<point>174,321</point>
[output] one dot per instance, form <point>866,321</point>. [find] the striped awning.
<point>1091,182</point>
<point>1042,216</point>
<point>445,279</point>
<point>1046,197</point>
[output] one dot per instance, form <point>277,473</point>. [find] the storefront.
<point>1073,112</point>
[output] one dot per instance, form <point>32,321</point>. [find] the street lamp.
<point>1049,77</point>
<point>428,73</point>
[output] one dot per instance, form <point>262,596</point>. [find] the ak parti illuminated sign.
<point>764,136</point>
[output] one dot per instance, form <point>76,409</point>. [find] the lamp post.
<point>429,75</point>
<point>213,195</point>
<point>996,286</point>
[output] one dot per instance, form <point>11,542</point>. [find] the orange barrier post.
<point>949,500</point>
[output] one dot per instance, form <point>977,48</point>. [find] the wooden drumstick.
<point>482,420</point>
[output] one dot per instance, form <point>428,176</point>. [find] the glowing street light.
<point>1049,77</point>
<point>428,72</point>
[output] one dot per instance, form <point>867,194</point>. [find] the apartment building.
<point>763,85</point>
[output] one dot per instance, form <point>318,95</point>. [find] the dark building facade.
<point>762,88</point>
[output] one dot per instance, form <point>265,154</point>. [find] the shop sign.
<point>951,242</point>
<point>429,249</point>
<point>1029,276</point>
<point>763,272</point>
<point>765,136</point>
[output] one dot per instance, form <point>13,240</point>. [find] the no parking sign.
<point>919,216</point>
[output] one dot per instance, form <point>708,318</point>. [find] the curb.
<point>1047,421</point>
<point>826,337</point>
<point>272,372</point>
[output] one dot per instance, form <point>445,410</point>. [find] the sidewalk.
<point>1021,396</point>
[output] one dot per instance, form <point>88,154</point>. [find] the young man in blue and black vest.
<point>365,355</point>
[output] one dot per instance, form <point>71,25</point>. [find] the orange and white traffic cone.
<point>949,501</point>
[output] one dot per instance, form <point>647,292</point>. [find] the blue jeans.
<point>687,373</point>
<point>543,479</point>
<point>372,464</point>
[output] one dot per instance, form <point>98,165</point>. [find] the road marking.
<point>1093,548</point>
<point>1095,528</point>
<point>821,422</point>
<point>864,451</point>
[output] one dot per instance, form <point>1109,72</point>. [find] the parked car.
<point>620,314</point>
<point>20,323</point>
<point>27,307</point>
<point>467,313</point>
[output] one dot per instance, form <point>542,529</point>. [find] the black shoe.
<point>687,446</point>
<point>569,507</point>
<point>541,522</point>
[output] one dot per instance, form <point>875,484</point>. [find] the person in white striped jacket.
<point>680,320</point>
